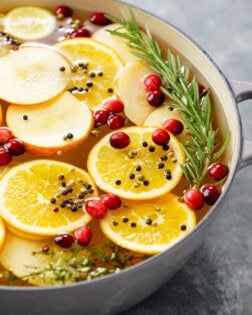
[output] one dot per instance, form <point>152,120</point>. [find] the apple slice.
<point>60,124</point>
<point>117,43</point>
<point>33,74</point>
<point>131,91</point>
<point>17,255</point>
<point>161,114</point>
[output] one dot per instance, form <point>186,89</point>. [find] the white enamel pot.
<point>115,293</point>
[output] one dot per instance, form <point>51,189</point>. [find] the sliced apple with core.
<point>161,114</point>
<point>119,44</point>
<point>130,89</point>
<point>33,74</point>
<point>60,124</point>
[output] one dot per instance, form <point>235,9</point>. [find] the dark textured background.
<point>218,278</point>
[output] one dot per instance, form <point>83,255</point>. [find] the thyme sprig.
<point>201,148</point>
<point>78,264</point>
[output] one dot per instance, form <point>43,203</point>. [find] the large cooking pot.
<point>115,293</point>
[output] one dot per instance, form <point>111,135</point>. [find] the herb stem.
<point>202,147</point>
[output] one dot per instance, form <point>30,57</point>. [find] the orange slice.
<point>94,67</point>
<point>149,227</point>
<point>2,232</point>
<point>29,22</point>
<point>44,197</point>
<point>136,172</point>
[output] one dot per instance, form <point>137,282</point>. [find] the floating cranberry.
<point>5,135</point>
<point>83,235</point>
<point>194,199</point>
<point>115,121</point>
<point>5,157</point>
<point>119,140</point>
<point>15,146</point>
<point>152,82</point>
<point>160,136</point>
<point>96,208</point>
<point>101,116</point>
<point>210,193</point>
<point>218,171</point>
<point>201,89</point>
<point>111,201</point>
<point>156,98</point>
<point>80,32</point>
<point>63,11</point>
<point>64,240</point>
<point>175,126</point>
<point>99,18</point>
<point>114,106</point>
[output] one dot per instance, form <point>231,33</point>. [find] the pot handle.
<point>243,91</point>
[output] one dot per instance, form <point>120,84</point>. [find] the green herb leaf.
<point>195,109</point>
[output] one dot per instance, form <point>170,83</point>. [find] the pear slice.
<point>33,74</point>
<point>119,44</point>
<point>130,89</point>
<point>161,114</point>
<point>60,124</point>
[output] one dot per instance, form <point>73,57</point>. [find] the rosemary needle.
<point>202,147</point>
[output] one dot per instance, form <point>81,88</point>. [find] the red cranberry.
<point>201,89</point>
<point>152,82</point>
<point>80,32</point>
<point>114,106</point>
<point>101,116</point>
<point>194,199</point>
<point>63,11</point>
<point>99,18</point>
<point>175,126</point>
<point>83,235</point>
<point>210,193</point>
<point>160,137</point>
<point>218,171</point>
<point>15,147</point>
<point>5,135</point>
<point>64,240</point>
<point>96,208</point>
<point>5,157</point>
<point>111,201</point>
<point>156,98</point>
<point>119,140</point>
<point>115,122</point>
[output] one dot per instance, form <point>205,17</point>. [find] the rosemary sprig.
<point>78,264</point>
<point>201,148</point>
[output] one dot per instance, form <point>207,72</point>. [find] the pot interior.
<point>225,112</point>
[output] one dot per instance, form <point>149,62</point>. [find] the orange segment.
<point>35,200</point>
<point>2,232</point>
<point>136,172</point>
<point>149,227</point>
<point>95,66</point>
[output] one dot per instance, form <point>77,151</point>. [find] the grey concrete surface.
<point>218,278</point>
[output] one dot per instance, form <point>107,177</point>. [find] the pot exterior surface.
<point>116,293</point>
